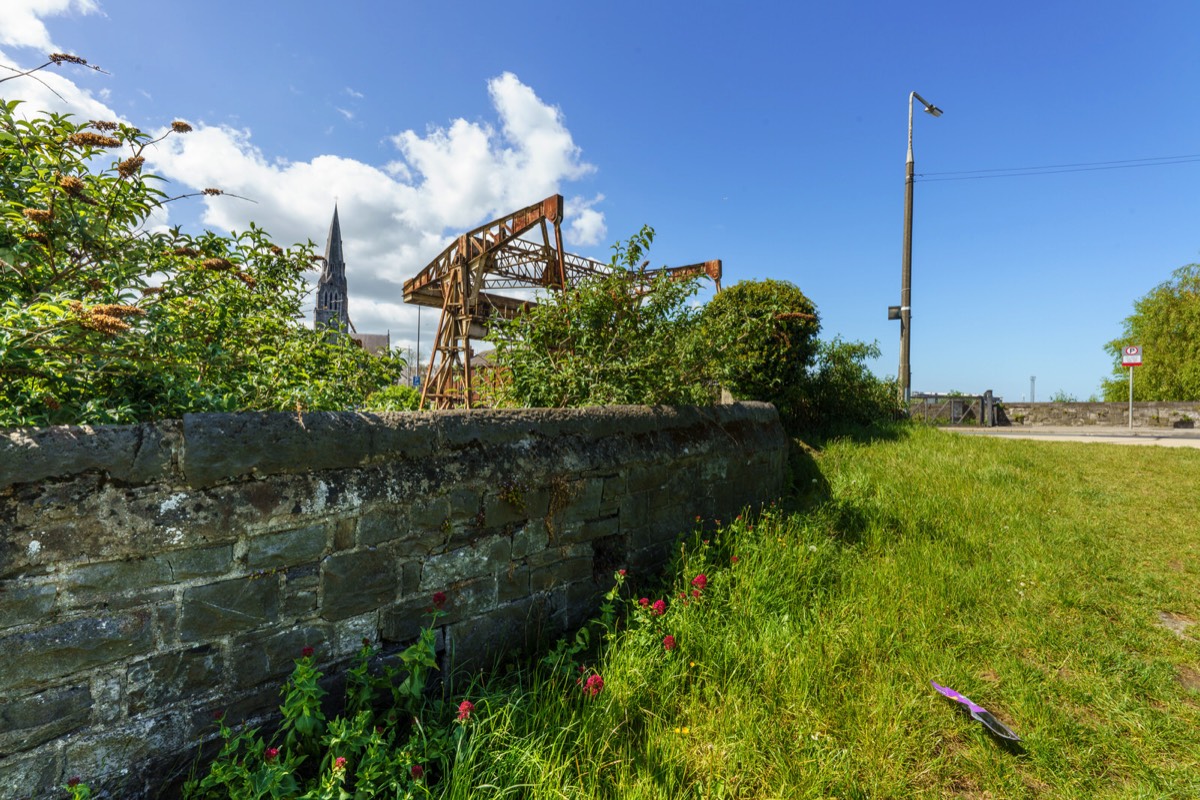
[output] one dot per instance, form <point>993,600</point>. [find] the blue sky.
<point>769,136</point>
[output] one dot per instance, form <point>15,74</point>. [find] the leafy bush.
<point>628,337</point>
<point>397,397</point>
<point>105,319</point>
<point>840,390</point>
<point>762,335</point>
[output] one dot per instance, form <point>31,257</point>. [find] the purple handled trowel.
<point>980,713</point>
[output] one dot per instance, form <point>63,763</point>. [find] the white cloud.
<point>395,217</point>
<point>356,95</point>
<point>347,114</point>
<point>585,225</point>
<point>21,21</point>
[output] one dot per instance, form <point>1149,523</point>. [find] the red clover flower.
<point>271,753</point>
<point>668,642</point>
<point>439,600</point>
<point>307,652</point>
<point>645,601</point>
<point>339,764</point>
<point>660,607</point>
<point>464,710</point>
<point>417,771</point>
<point>700,581</point>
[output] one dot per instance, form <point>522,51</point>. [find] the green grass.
<point>1028,576</point>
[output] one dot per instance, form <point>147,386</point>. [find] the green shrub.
<point>397,397</point>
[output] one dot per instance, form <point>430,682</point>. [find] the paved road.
<point>1164,437</point>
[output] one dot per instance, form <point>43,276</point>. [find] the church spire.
<point>332,308</point>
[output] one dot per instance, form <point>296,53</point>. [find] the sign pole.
<point>1131,398</point>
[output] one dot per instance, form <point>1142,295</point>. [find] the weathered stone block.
<point>26,722</point>
<point>174,676</point>
<point>559,573</point>
<point>72,646</point>
<point>573,532</point>
<point>584,503</point>
<point>90,582</point>
<point>483,641</point>
<point>404,621</point>
<point>37,775</point>
<point>287,548</point>
<point>22,603</point>
<point>352,583</point>
<point>197,562</point>
<point>132,453</point>
<point>529,538</point>
<point>228,607</point>
<point>263,658</point>
<point>484,557</point>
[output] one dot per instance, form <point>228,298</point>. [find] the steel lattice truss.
<point>514,252</point>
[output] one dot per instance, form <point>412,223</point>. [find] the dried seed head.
<point>95,284</point>
<point>218,264</point>
<point>247,279</point>
<point>211,192</point>
<point>130,166</point>
<point>185,251</point>
<point>51,402</point>
<point>152,290</point>
<point>103,125</point>
<point>118,310</point>
<point>276,250</point>
<point>75,306</point>
<point>36,236</point>
<point>89,139</point>
<point>67,58</point>
<point>71,184</point>
<point>39,215</point>
<point>315,257</point>
<point>103,323</point>
<point>179,126</point>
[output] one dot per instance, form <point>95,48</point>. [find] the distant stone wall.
<point>152,574</point>
<point>1145,415</point>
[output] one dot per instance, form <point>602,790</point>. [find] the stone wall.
<point>152,574</point>
<point>1145,415</point>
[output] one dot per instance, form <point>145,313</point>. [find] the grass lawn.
<point>1032,577</point>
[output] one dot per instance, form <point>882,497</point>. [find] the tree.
<point>105,319</point>
<point>1166,323</point>
<point>762,336</point>
<point>627,337</point>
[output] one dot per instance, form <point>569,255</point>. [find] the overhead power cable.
<point>1052,169</point>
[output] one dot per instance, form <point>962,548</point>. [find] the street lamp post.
<point>906,268</point>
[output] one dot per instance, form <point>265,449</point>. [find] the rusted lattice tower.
<point>516,251</point>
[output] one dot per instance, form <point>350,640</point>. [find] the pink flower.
<point>307,652</point>
<point>700,581</point>
<point>339,764</point>
<point>417,771</point>
<point>464,710</point>
<point>668,642</point>
<point>695,592</point>
<point>733,559</point>
<point>271,753</point>
<point>660,607</point>
<point>622,573</point>
<point>74,781</point>
<point>594,685</point>
<point>645,601</point>
<point>439,600</point>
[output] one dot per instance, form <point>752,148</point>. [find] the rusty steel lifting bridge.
<point>512,252</point>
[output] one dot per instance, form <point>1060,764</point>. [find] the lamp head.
<point>932,109</point>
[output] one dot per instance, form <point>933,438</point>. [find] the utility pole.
<point>906,265</point>
<point>1032,379</point>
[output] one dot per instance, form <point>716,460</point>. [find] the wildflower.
<point>668,642</point>
<point>339,764</point>
<point>622,573</point>
<point>417,771</point>
<point>700,581</point>
<point>685,730</point>
<point>594,685</point>
<point>659,607</point>
<point>307,652</point>
<point>439,600</point>
<point>695,592</point>
<point>683,595</point>
<point>179,126</point>
<point>645,601</point>
<point>90,139</point>
<point>130,166</point>
<point>812,548</point>
<point>74,781</point>
<point>218,715</point>
<point>38,215</point>
<point>733,559</point>
<point>464,710</point>
<point>271,753</point>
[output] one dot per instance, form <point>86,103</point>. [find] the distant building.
<point>333,299</point>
